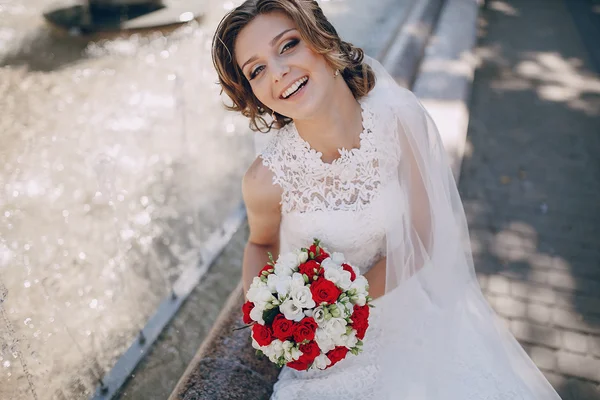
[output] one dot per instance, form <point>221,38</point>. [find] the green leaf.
<point>305,278</point>
<point>269,315</point>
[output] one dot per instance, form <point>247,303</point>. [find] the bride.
<point>354,160</point>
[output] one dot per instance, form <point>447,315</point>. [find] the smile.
<point>294,87</point>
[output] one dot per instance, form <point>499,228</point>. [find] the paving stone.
<point>579,365</point>
<point>575,342</point>
<point>594,345</point>
<point>577,389</point>
<point>533,214</point>
<point>498,284</point>
<point>543,357</point>
<point>532,292</point>
<point>510,307</point>
<point>575,321</point>
<point>535,334</point>
<point>538,313</point>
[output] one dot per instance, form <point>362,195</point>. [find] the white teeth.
<point>294,87</point>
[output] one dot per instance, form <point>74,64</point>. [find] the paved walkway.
<point>531,185</point>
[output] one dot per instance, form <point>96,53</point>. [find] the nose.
<point>280,70</point>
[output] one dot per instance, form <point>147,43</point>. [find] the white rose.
<point>319,315</point>
<point>322,361</point>
<point>360,299</point>
<point>277,346</point>
<point>274,350</point>
<point>345,281</point>
<point>335,327</point>
<point>257,282</point>
<point>254,290</point>
<point>286,284</point>
<point>286,264</point>
<point>256,314</point>
<point>264,295</point>
<point>302,257</point>
<point>297,280</point>
<point>291,311</point>
<point>255,344</point>
<point>272,281</point>
<point>302,297</point>
<point>296,353</point>
<point>333,274</point>
<point>360,284</point>
<point>323,340</point>
<point>283,285</point>
<point>287,350</point>
<point>349,340</point>
<point>329,263</point>
<point>337,258</point>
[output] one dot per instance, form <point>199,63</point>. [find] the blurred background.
<point>119,165</point>
<point>118,162</point>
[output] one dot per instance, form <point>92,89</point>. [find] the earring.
<point>337,72</point>
<point>273,115</point>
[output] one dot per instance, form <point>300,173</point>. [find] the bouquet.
<point>308,309</point>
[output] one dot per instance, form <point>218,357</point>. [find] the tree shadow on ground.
<point>530,182</point>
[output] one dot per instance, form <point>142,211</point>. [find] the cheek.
<point>262,91</point>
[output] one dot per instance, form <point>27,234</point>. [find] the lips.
<point>294,87</point>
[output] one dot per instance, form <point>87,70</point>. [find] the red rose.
<point>361,328</point>
<point>298,365</point>
<point>360,320</point>
<point>266,268</point>
<point>310,351</point>
<point>337,354</point>
<point>324,290</point>
<point>283,328</point>
<point>262,334</point>
<point>305,329</point>
<point>309,268</point>
<point>319,254</point>
<point>360,312</point>
<point>348,268</point>
<point>246,308</point>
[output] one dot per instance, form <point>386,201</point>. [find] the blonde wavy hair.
<point>314,29</point>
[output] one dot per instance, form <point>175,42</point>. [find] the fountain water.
<point>95,16</point>
<point>118,161</point>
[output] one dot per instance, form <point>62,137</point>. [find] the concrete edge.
<point>403,57</point>
<point>446,75</point>
<point>229,307</point>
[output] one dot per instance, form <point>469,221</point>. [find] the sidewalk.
<point>530,184</point>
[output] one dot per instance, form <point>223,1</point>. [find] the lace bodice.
<point>336,202</point>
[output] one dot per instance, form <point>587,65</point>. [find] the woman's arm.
<point>376,278</point>
<point>262,200</point>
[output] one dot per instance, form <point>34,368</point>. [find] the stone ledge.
<point>226,367</point>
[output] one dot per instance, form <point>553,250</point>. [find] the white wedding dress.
<point>341,204</point>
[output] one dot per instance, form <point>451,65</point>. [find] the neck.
<point>337,125</point>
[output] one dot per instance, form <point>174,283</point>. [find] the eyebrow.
<point>272,43</point>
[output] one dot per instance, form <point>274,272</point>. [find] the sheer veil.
<point>433,304</point>
<point>435,325</point>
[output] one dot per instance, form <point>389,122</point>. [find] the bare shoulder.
<point>259,191</point>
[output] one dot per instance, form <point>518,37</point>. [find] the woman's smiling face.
<point>285,74</point>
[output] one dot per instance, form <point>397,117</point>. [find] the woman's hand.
<point>376,278</point>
